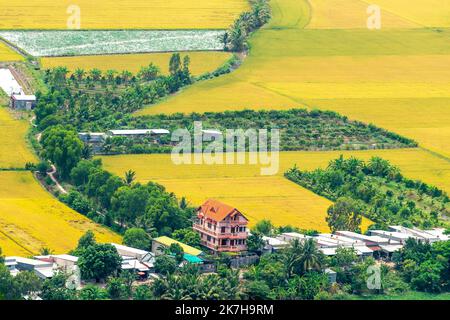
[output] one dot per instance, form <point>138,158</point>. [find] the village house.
<point>222,228</point>
<point>22,102</point>
<point>161,243</point>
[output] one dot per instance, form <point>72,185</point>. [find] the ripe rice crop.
<point>14,151</point>
<point>125,14</point>
<point>201,62</point>
<point>31,219</point>
<point>274,197</point>
<point>394,77</point>
<point>7,54</point>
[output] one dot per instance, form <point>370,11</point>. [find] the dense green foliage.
<point>235,39</point>
<point>425,266</point>
<point>137,238</point>
<point>94,101</point>
<point>188,284</point>
<point>99,261</point>
<point>299,130</point>
<point>295,273</point>
<point>62,147</point>
<point>24,284</point>
<point>111,200</point>
<point>377,190</point>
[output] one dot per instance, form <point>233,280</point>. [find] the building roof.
<point>24,97</point>
<point>391,248</point>
<point>66,257</point>
<point>30,262</point>
<point>217,211</point>
<point>131,132</point>
<point>192,259</point>
<point>354,235</point>
<point>212,132</point>
<point>166,241</point>
<point>275,242</point>
<point>160,131</point>
<point>126,249</point>
<point>92,134</point>
<point>44,273</point>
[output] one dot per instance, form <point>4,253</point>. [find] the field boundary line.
<point>400,16</point>
<point>17,243</point>
<point>435,153</point>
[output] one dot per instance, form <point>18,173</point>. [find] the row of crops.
<point>72,43</point>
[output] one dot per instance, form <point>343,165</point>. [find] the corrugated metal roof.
<point>166,241</point>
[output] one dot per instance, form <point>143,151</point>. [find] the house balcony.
<point>218,235</point>
<point>224,248</point>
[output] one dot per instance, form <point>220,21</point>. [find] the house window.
<point>208,238</point>
<point>224,242</point>
<point>223,230</point>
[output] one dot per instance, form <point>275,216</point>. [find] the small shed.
<point>23,102</point>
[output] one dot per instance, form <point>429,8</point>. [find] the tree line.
<point>235,39</point>
<point>93,101</point>
<point>300,130</point>
<point>374,189</point>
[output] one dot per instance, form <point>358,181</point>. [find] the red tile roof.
<point>217,211</point>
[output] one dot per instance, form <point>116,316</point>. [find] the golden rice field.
<point>30,218</point>
<point>427,13</point>
<point>395,77</point>
<point>270,197</point>
<point>348,14</point>
<point>14,151</point>
<point>201,62</point>
<point>7,54</point>
<point>127,14</point>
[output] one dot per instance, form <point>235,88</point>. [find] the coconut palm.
<point>302,257</point>
<point>311,258</point>
<point>79,74</point>
<point>130,176</point>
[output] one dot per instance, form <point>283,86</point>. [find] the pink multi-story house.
<point>222,228</point>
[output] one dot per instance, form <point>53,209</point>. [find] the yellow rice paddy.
<point>14,151</point>
<point>31,219</point>
<point>8,55</point>
<point>269,197</point>
<point>201,62</point>
<point>128,14</point>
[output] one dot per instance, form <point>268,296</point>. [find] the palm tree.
<point>311,257</point>
<point>148,73</point>
<point>302,257</point>
<point>96,74</point>
<point>79,74</point>
<point>110,75</point>
<point>126,76</point>
<point>130,176</point>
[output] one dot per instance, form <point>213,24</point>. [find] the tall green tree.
<point>344,215</point>
<point>62,147</point>
<point>99,262</point>
<point>137,238</point>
